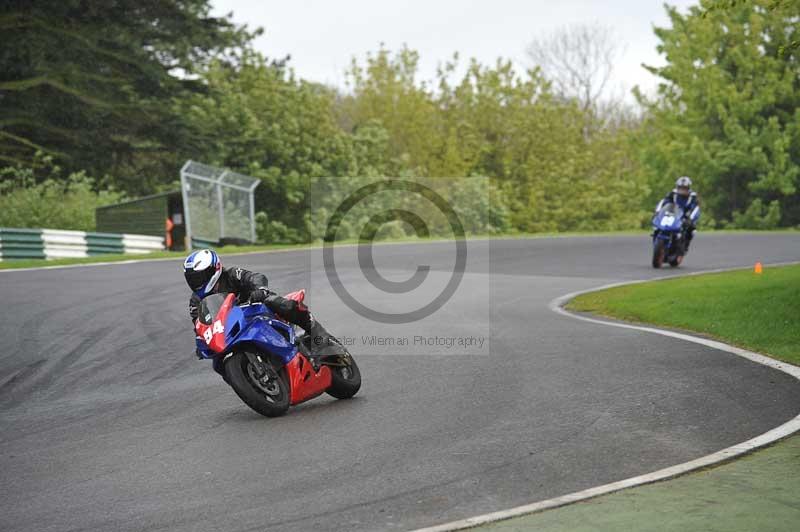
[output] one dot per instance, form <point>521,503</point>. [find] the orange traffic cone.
<point>758,269</point>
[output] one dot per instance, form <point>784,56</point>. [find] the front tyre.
<point>659,250</point>
<point>345,378</point>
<point>263,388</point>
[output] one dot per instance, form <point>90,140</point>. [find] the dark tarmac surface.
<point>109,423</point>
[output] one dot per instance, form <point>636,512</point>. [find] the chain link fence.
<point>218,205</point>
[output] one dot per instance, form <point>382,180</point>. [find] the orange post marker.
<point>758,268</point>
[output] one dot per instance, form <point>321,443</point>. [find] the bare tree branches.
<point>579,61</point>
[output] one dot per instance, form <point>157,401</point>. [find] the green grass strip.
<point>755,493</point>
<point>757,312</point>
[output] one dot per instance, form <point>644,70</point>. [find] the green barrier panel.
<point>19,230</point>
<point>103,241</point>
<point>21,235</point>
<point>35,239</point>
<point>21,244</point>
<point>103,244</point>
<point>22,253</point>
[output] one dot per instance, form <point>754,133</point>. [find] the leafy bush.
<point>275,232</point>
<point>757,216</point>
<point>54,202</point>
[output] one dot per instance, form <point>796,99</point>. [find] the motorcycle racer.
<point>684,197</point>
<point>205,275</point>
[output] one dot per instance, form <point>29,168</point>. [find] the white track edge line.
<point>771,436</point>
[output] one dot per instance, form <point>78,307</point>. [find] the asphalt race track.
<point>109,423</point>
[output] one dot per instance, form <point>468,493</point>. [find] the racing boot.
<point>318,337</point>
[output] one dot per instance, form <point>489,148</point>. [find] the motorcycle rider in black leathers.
<point>205,275</point>
<point>684,197</point>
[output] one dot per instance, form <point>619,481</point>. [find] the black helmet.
<point>202,270</point>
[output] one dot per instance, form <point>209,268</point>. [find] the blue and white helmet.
<point>202,270</point>
<point>685,183</point>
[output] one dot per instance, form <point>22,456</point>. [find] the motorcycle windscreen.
<point>673,209</point>
<point>669,217</point>
<point>210,306</point>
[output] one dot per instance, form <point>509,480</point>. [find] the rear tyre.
<point>676,261</point>
<point>268,395</point>
<point>659,249</point>
<point>345,379</point>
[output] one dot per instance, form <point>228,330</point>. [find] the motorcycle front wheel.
<point>659,250</point>
<point>263,388</point>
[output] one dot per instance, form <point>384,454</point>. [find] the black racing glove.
<point>259,295</point>
<point>194,312</point>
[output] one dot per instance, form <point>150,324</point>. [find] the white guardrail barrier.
<point>58,244</point>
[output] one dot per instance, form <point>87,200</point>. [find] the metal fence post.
<point>185,195</point>
<point>220,179</point>
<point>252,211</point>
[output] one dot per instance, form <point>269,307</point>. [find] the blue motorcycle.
<point>669,236</point>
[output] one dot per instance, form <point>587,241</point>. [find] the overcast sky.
<point>323,36</point>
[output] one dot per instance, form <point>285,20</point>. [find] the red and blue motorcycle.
<point>266,364</point>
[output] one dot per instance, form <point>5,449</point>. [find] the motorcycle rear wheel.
<point>676,261</point>
<point>270,398</point>
<point>345,379</point>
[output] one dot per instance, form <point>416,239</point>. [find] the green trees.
<point>91,83</point>
<point>128,90</point>
<point>496,122</point>
<point>728,112</point>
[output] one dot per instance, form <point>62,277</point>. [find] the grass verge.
<point>755,493</point>
<point>757,312</point>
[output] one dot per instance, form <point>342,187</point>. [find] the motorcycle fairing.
<point>213,334</point>
<point>304,382</point>
<point>235,325</point>
<point>668,220</point>
<point>298,296</point>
